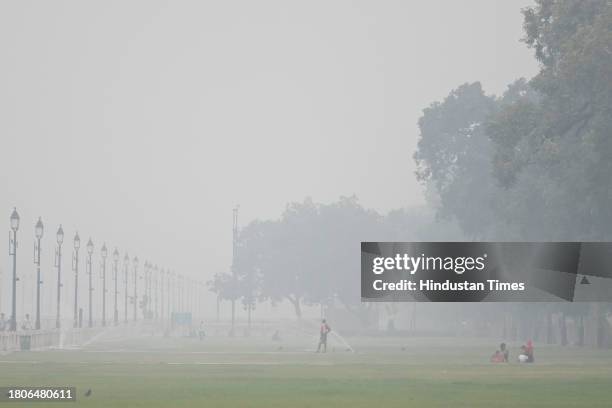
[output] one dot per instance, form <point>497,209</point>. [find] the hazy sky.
<point>142,123</point>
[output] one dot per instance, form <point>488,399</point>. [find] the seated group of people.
<point>502,355</point>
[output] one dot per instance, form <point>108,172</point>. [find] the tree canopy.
<point>536,162</point>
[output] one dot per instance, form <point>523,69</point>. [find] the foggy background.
<point>142,124</point>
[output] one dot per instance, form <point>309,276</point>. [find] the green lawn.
<point>256,373</point>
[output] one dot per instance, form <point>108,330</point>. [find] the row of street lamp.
<point>180,293</point>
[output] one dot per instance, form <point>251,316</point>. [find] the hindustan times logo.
<point>413,264</point>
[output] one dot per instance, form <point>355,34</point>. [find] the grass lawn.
<point>383,372</point>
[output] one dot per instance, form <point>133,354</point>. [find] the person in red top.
<point>325,329</point>
<point>498,357</point>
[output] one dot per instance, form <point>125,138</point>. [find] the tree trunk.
<point>601,327</point>
<point>296,306</point>
<point>549,329</point>
<point>563,329</point>
<point>581,330</point>
<point>218,309</point>
<point>249,320</point>
<point>598,332</point>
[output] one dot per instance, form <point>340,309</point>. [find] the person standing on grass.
<point>324,331</point>
<point>529,351</point>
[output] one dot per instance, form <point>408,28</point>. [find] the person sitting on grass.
<point>523,357</point>
<point>526,355</point>
<point>497,357</point>
<point>324,331</point>
<point>505,352</point>
<point>501,355</point>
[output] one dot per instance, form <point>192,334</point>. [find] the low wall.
<point>43,339</point>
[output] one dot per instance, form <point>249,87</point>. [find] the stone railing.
<point>43,339</point>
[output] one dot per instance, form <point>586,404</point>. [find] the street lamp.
<point>168,294</point>
<point>148,290</point>
<point>181,293</point>
<point>115,266</point>
<point>58,264</point>
<point>161,292</point>
<point>13,253</point>
<point>157,287</point>
<point>126,270</point>
<point>145,298</point>
<point>38,232</point>
<point>103,254</point>
<point>90,250</point>
<point>75,268</point>
<point>135,285</point>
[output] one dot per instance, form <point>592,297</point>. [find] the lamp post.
<point>149,288</point>
<point>38,232</point>
<point>181,293</point>
<point>202,292</point>
<point>146,295</point>
<point>150,309</point>
<point>58,264</point>
<point>176,292</point>
<point>234,263</point>
<point>13,253</point>
<point>161,293</point>
<point>187,293</point>
<point>169,293</point>
<point>90,250</point>
<point>184,294</point>
<point>178,300</point>
<point>75,267</point>
<point>115,268</point>
<point>103,254</point>
<point>135,286</point>
<point>157,286</point>
<point>126,270</point>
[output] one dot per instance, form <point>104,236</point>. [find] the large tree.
<point>560,142</point>
<point>536,162</point>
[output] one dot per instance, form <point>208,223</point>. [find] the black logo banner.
<point>486,271</point>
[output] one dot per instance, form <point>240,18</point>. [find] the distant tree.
<point>225,286</point>
<point>342,226</point>
<point>248,268</point>
<point>308,256</point>
<point>272,257</point>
